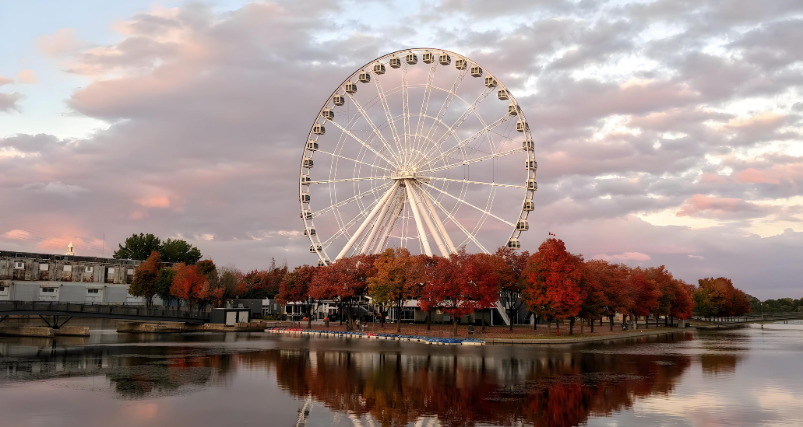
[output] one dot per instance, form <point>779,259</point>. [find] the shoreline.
<point>468,341</point>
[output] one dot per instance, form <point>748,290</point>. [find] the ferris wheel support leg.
<point>438,222</point>
<point>418,223</point>
<point>383,236</point>
<point>423,210</point>
<point>367,221</point>
<point>378,224</point>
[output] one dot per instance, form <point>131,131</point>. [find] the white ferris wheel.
<point>416,155</point>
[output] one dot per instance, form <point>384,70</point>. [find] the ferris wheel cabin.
<point>351,87</point>
<point>339,100</point>
<point>394,62</point>
<point>428,57</point>
<point>476,71</point>
<point>444,59</point>
<point>364,77</point>
<point>411,58</point>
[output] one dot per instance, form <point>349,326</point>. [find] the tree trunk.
<point>535,322</point>
<point>549,327</point>
<point>557,325</point>
<point>429,321</point>
<point>647,322</point>
<point>600,323</point>
<point>592,324</point>
<point>398,319</point>
<point>454,322</point>
<point>582,325</point>
<point>571,326</point>
<point>482,316</point>
<point>611,321</point>
<point>510,318</point>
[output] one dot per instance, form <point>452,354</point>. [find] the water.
<point>739,377</point>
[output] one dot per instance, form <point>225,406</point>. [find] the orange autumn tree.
<point>398,278</point>
<point>145,277</point>
<point>190,286</point>
<point>551,282</point>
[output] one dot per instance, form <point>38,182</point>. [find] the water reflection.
<point>397,389</point>
<point>387,382</point>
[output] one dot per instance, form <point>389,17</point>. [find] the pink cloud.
<point>17,235</point>
<point>718,206</point>
<point>160,202</point>
<point>624,256</point>
<point>756,177</point>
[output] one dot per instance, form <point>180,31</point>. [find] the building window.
<point>48,290</point>
<point>88,269</point>
<point>93,291</point>
<point>43,267</point>
<point>2,288</point>
<point>111,270</point>
<point>18,265</point>
<point>67,268</point>
<point>130,271</point>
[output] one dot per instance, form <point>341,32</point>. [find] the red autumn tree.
<point>682,303</point>
<point>613,279</point>
<point>644,293</point>
<point>510,267</point>
<point>720,294</point>
<point>347,280</point>
<point>551,282</point>
<point>397,280</point>
<point>190,286</point>
<point>428,299</point>
<point>593,297</point>
<point>741,303</point>
<point>664,283</point>
<point>296,288</point>
<point>461,284</point>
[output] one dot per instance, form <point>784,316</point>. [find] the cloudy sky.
<point>667,132</point>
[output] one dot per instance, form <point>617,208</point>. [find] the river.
<point>742,377</point>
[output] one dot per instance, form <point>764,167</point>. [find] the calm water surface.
<point>740,378</point>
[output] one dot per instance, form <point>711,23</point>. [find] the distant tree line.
<point>202,284</point>
<point>782,305</point>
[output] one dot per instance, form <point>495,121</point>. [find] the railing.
<point>100,310</point>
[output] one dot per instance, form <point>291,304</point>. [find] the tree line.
<point>203,284</point>
<point>553,285</point>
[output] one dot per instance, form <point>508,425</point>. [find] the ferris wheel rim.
<point>529,192</point>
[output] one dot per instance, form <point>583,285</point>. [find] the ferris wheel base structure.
<point>429,177</point>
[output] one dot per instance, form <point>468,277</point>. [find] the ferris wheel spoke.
<point>405,114</point>
<point>469,204</point>
<point>453,128</point>
<point>348,132</point>
<point>373,126</point>
<point>419,127</point>
<point>472,138</point>
<point>493,184</point>
<point>344,229</point>
<point>448,101</point>
<point>350,199</point>
<point>455,221</point>
<point>349,179</point>
<point>388,115</point>
<point>475,160</point>
<point>353,160</point>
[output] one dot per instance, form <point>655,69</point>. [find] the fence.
<point>99,310</point>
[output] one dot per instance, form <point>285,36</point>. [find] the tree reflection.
<point>397,389</point>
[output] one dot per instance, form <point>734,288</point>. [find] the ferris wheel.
<point>420,156</point>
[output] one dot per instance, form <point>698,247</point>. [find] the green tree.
<point>163,284</point>
<point>138,247</point>
<point>179,251</point>
<point>145,277</point>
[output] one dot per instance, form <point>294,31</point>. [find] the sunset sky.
<point>666,132</point>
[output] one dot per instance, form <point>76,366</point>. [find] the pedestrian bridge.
<point>57,310</point>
